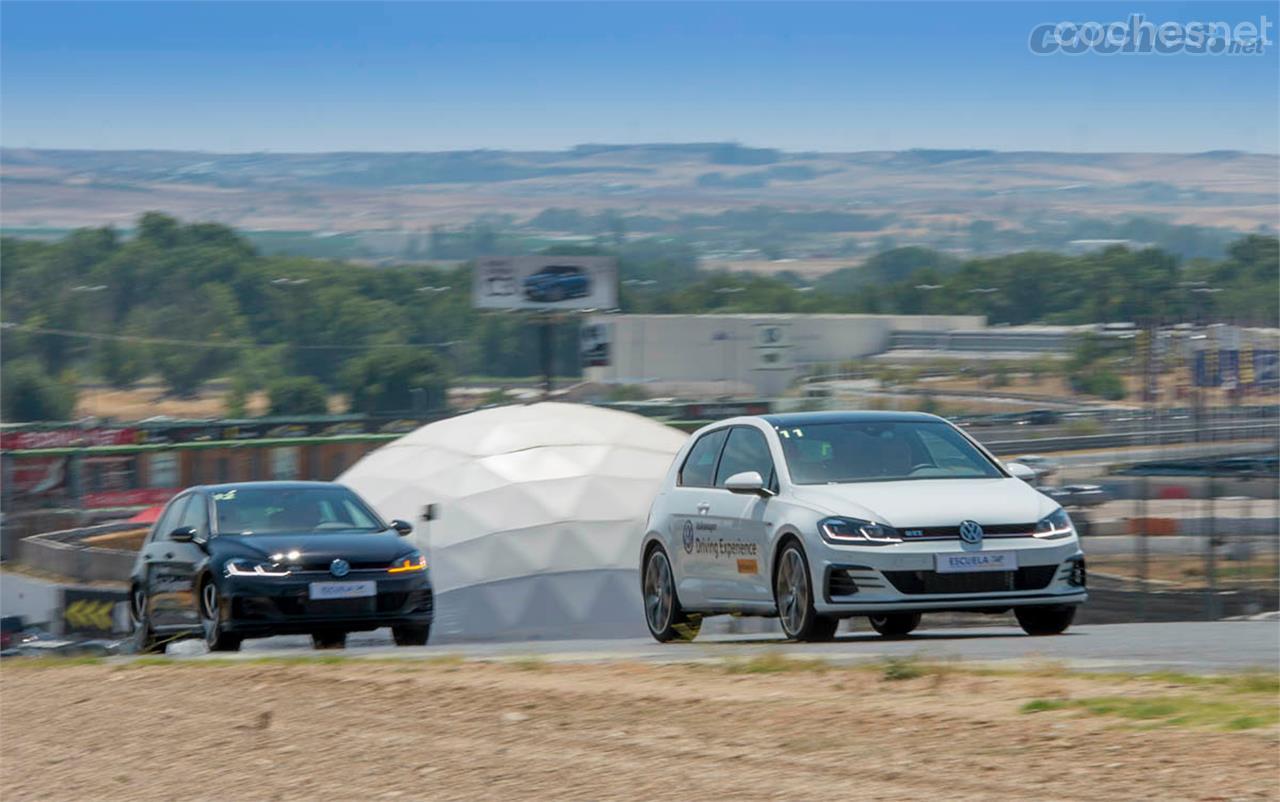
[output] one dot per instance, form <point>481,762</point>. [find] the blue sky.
<point>303,76</point>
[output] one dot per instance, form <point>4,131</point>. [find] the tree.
<point>30,394</point>
<point>388,381</point>
<point>298,395</point>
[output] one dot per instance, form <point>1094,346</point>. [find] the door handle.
<point>168,555</point>
<point>704,508</point>
<point>146,558</point>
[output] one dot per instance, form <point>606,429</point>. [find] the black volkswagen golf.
<point>255,559</point>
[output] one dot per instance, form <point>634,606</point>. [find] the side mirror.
<point>183,534</point>
<point>431,512</point>
<point>403,528</point>
<point>747,482</point>
<point>1020,471</point>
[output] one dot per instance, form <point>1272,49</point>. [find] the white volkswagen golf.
<point>814,517</point>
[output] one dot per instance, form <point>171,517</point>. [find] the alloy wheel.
<point>792,591</point>
<point>209,612</point>
<point>658,591</point>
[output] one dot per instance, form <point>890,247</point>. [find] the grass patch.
<point>1190,710</point>
<point>773,663</point>
<point>54,661</point>
<point>895,669</point>
<point>529,663</point>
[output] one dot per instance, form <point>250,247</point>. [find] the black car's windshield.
<point>881,451</point>
<point>266,511</point>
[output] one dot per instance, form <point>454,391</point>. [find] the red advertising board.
<point>136,497</point>
<point>67,438</point>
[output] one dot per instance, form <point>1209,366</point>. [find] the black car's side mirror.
<point>403,528</point>
<point>183,534</point>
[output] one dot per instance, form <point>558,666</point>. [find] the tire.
<point>894,625</point>
<point>793,595</point>
<point>666,619</point>
<point>329,640</point>
<point>411,635</point>
<point>1045,620</point>
<point>215,638</point>
<point>142,638</point>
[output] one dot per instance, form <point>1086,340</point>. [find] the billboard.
<point>545,282</point>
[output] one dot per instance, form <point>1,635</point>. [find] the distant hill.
<point>730,200</point>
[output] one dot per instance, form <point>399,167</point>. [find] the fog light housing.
<point>1078,576</point>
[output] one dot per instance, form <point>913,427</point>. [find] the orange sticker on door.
<point>747,567</point>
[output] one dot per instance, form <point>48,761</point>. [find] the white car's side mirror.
<point>1020,471</point>
<point>747,482</point>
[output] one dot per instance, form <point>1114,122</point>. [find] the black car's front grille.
<point>1035,577</point>
<point>914,533</point>
<point>323,565</point>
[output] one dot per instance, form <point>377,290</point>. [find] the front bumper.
<point>860,580</point>
<point>282,605</point>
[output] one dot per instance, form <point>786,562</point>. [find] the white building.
<point>761,354</point>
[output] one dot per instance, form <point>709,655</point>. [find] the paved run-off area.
<point>1191,647</point>
<point>754,726</point>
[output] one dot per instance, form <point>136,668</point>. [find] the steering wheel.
<point>921,466</point>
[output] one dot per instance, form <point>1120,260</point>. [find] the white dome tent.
<point>540,513</point>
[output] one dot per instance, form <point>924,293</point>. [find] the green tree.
<point>388,381</point>
<point>30,394</point>
<point>297,395</point>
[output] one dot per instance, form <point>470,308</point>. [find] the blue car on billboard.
<point>557,283</point>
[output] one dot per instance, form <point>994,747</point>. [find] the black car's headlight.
<point>243,567</point>
<point>413,561</point>
<point>1055,524</point>
<point>854,530</point>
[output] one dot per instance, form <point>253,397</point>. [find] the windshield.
<point>267,511</point>
<point>881,451</point>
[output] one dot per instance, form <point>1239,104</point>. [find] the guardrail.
<point>64,554</point>
<point>1255,431</point>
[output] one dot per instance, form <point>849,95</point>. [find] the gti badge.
<point>688,537</point>
<point>341,567</point>
<point>971,532</point>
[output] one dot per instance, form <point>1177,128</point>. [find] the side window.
<point>169,519</point>
<point>699,467</point>
<point>746,450</point>
<point>196,514</point>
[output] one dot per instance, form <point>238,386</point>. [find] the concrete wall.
<point>763,354</point>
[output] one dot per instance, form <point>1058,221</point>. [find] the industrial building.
<point>743,354</point>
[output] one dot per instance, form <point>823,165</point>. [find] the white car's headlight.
<point>1056,524</point>
<point>855,530</point>
<point>241,567</point>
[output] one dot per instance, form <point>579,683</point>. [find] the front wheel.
<point>894,625</point>
<point>215,638</point>
<point>1045,620</point>
<point>793,594</point>
<point>667,620</point>
<point>411,635</point>
<point>143,638</point>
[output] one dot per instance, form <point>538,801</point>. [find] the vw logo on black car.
<point>971,532</point>
<point>341,567</point>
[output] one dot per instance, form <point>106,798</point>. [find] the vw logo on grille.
<point>971,532</point>
<point>688,537</point>
<point>341,567</point>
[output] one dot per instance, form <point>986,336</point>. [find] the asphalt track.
<point>1198,648</point>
